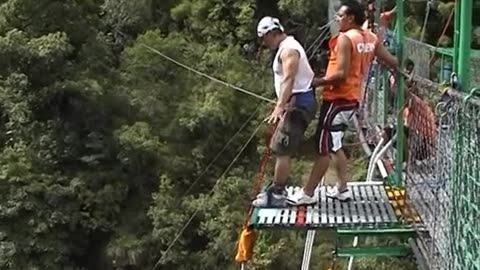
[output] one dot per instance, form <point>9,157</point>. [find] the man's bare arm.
<point>385,56</point>
<point>344,54</point>
<point>289,59</point>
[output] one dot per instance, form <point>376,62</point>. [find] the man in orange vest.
<point>352,51</point>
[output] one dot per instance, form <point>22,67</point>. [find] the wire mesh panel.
<point>423,54</point>
<point>475,71</point>
<point>420,53</point>
<point>429,155</point>
<point>441,176</point>
<point>375,104</point>
<point>465,188</point>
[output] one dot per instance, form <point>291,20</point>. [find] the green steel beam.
<point>376,72</point>
<point>254,217</point>
<point>456,36</point>
<point>380,251</point>
<point>386,97</point>
<point>400,92</point>
<point>465,44</point>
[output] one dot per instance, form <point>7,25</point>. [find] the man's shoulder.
<point>292,48</point>
<point>289,52</point>
<point>358,35</point>
<point>345,38</point>
<point>372,36</point>
<point>294,43</point>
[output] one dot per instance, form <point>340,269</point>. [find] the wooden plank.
<point>260,216</point>
<point>374,203</point>
<point>359,204</point>
<point>309,215</point>
<point>263,214</point>
<point>346,212</point>
<point>316,215</point>
<point>368,205</point>
<point>338,211</point>
<point>388,206</point>
<point>270,213</point>
<point>277,221</point>
<point>285,216</point>
<point>381,204</point>
<point>355,219</point>
<point>323,205</point>
<point>293,216</point>
<point>330,210</point>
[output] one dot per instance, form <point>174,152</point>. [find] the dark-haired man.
<point>351,53</point>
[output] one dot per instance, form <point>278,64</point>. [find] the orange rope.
<point>246,239</point>
<point>261,172</point>
<point>447,24</point>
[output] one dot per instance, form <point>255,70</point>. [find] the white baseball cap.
<point>267,24</point>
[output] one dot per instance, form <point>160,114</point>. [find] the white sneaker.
<point>275,200</point>
<point>300,198</point>
<point>343,195</point>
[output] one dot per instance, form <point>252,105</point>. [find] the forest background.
<point>101,139</point>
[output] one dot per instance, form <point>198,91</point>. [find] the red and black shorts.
<point>334,119</point>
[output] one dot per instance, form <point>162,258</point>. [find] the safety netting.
<point>441,172</point>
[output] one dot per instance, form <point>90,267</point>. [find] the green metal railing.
<point>465,42</point>
<point>443,185</point>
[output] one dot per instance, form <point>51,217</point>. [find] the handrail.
<point>450,91</point>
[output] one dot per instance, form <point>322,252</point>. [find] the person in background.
<point>352,51</point>
<point>409,67</point>
<point>419,128</point>
<point>418,119</point>
<point>384,20</point>
<point>295,108</point>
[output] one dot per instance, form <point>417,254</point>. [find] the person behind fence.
<point>419,128</point>
<point>409,66</point>
<point>384,20</point>
<point>295,108</point>
<point>352,51</point>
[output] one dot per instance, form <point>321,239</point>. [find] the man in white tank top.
<point>295,108</point>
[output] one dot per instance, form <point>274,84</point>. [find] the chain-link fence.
<point>464,187</point>
<point>442,159</point>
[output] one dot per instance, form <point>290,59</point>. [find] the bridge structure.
<point>431,208</point>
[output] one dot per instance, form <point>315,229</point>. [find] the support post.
<point>400,35</point>
<point>465,44</point>
<point>386,97</point>
<point>456,36</point>
<point>442,68</point>
<point>376,29</point>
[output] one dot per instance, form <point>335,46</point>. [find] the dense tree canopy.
<point>101,138</point>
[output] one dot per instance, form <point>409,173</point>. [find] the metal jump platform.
<point>375,210</point>
<point>373,206</point>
